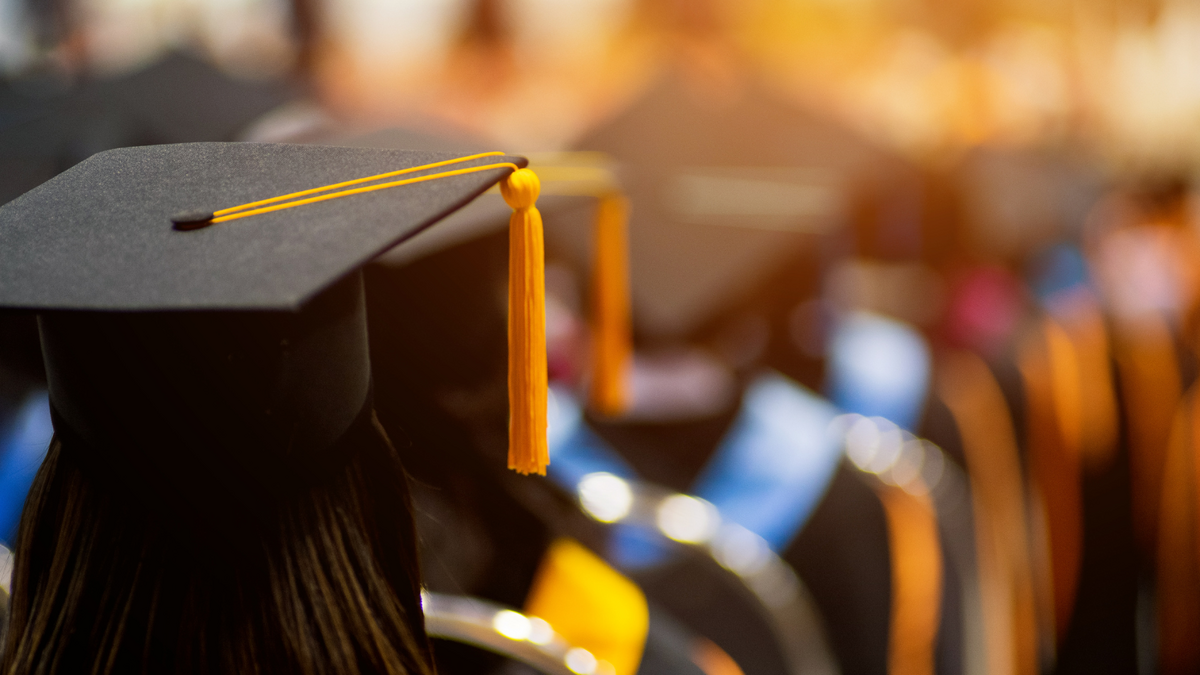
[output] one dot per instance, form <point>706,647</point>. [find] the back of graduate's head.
<point>324,583</point>
<point>218,499</point>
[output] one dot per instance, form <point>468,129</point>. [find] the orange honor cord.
<point>356,181</point>
<point>527,380</point>
<point>198,219</point>
<point>611,342</point>
<point>989,440</point>
<point>352,191</point>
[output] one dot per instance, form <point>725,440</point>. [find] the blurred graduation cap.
<point>49,123</point>
<point>178,98</point>
<point>201,309</point>
<point>727,190</point>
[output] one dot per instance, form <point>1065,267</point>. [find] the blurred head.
<point>218,498</point>
<point>326,581</point>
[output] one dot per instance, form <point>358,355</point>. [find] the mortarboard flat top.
<point>99,236</point>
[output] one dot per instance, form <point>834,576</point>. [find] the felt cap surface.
<point>99,236</point>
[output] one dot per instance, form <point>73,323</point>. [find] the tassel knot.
<point>521,190</point>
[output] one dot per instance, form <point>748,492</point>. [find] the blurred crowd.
<point>913,290</point>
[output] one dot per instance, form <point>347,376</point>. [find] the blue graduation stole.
<point>23,446</point>
<point>772,468</point>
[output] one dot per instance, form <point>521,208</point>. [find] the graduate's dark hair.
<point>103,584</point>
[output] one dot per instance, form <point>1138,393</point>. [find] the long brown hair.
<point>104,584</point>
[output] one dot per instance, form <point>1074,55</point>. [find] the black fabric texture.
<point>1102,634</point>
<point>438,332</point>
<point>842,556</point>
<point>214,504</point>
<point>950,648</point>
<point>99,236</point>
<point>710,601</point>
<point>671,454</point>
<point>669,647</point>
<point>213,410</point>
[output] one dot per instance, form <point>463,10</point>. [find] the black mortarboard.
<point>716,220</point>
<point>100,236</point>
<point>48,123</point>
<point>229,361</point>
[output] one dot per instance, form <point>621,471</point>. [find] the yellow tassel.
<point>611,340</point>
<point>527,451</point>
<point>916,553</point>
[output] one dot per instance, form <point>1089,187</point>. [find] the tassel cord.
<point>611,342</point>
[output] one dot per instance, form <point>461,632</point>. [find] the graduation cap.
<point>716,221</point>
<point>201,306</point>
